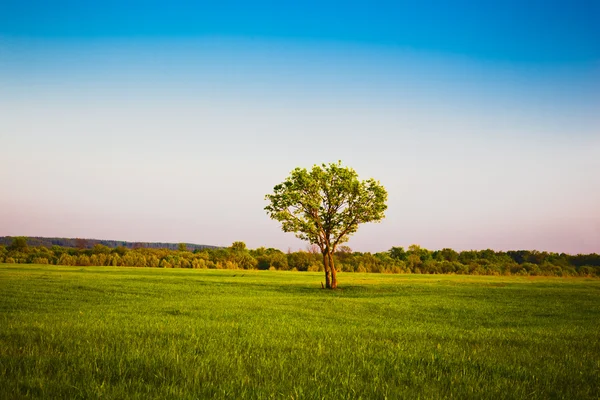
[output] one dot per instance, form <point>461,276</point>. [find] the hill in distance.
<point>89,243</point>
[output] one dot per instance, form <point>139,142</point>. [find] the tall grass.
<point>70,332</point>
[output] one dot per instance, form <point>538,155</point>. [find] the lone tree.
<point>325,206</point>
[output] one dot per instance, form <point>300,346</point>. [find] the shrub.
<point>587,271</point>
<point>315,268</point>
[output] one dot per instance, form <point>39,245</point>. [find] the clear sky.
<point>170,121</point>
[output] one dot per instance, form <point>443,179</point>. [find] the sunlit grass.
<point>137,333</point>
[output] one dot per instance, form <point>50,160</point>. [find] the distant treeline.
<point>79,243</point>
<point>397,260</point>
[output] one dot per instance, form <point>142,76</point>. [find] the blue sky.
<point>537,31</point>
<point>149,122</point>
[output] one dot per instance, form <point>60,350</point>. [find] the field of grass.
<point>71,332</point>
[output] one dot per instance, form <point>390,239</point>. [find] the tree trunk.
<point>326,268</point>
<point>330,276</point>
<point>333,273</point>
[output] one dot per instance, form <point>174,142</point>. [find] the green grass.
<point>71,332</point>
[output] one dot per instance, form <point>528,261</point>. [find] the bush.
<point>315,268</point>
<point>395,269</point>
<point>83,260</point>
<point>588,271</point>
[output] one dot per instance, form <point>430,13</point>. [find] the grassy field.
<point>71,332</point>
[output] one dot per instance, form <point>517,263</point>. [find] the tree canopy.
<point>324,206</point>
<point>18,244</point>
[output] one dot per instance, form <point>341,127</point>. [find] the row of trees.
<point>82,243</point>
<point>415,259</point>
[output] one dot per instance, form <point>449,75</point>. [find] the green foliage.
<point>120,250</point>
<point>270,259</point>
<point>122,333</point>
<point>91,243</point>
<point>398,253</point>
<point>325,206</point>
<point>238,246</point>
<point>305,261</point>
<point>397,261</point>
<point>100,249</point>
<point>18,244</point>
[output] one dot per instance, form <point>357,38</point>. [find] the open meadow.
<point>115,332</point>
